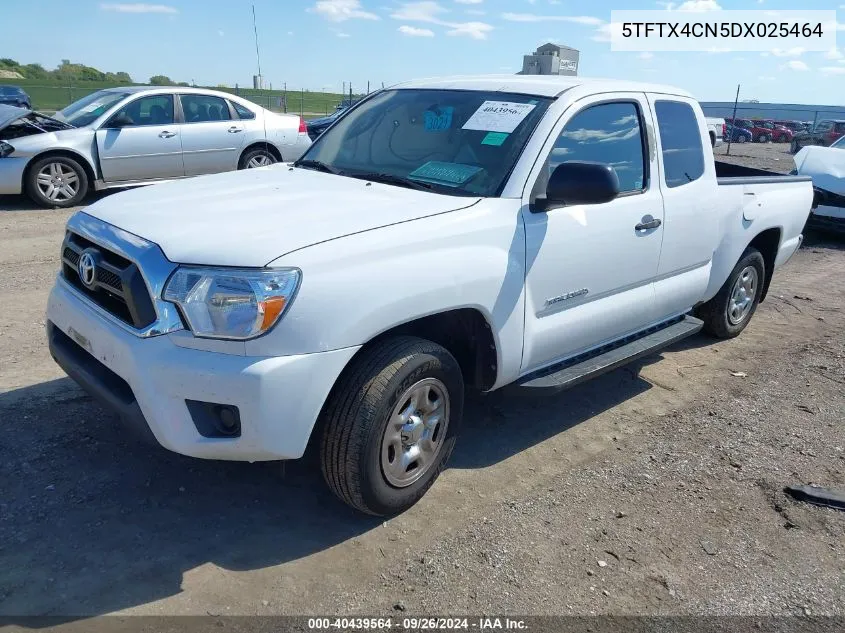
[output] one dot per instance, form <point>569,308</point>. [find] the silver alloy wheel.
<point>57,182</point>
<point>742,295</point>
<point>415,432</point>
<point>260,160</point>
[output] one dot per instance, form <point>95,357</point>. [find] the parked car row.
<point>138,135</point>
<point>761,130</point>
<point>825,133</point>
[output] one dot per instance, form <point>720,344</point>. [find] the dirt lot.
<point>655,489</point>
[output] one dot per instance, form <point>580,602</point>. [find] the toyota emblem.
<point>87,269</point>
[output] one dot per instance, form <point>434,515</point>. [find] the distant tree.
<point>124,77</point>
<point>34,71</point>
<point>161,80</point>
<point>6,62</point>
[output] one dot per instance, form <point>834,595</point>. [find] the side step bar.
<point>607,358</point>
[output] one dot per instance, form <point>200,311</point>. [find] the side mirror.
<point>580,182</point>
<point>121,120</point>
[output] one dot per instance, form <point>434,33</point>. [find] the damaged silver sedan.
<point>136,136</point>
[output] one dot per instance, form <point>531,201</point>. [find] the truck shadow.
<point>91,521</point>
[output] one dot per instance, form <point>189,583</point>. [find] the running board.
<point>591,364</point>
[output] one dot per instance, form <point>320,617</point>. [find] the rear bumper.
<point>11,174</point>
<point>826,218</point>
<point>148,382</point>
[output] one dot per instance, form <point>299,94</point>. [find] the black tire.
<point>795,147</point>
<point>256,153</point>
<point>741,138</point>
<point>356,415</point>
<point>763,138</point>
<point>714,313</point>
<point>67,166</point>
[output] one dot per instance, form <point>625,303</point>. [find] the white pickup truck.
<point>449,233</point>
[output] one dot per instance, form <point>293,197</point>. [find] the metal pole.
<point>255,29</point>
<point>733,120</point>
<point>368,87</point>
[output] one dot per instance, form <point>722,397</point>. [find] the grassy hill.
<point>50,95</point>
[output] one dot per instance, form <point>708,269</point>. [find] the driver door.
<point>591,267</point>
<point>141,141</point>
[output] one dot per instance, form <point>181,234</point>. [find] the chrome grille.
<point>116,285</point>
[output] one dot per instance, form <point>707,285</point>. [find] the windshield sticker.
<point>438,119</point>
<point>495,138</point>
<point>450,174</point>
<point>498,116</point>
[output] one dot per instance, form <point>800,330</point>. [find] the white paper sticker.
<point>498,116</point>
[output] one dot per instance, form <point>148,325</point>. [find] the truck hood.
<point>251,217</point>
<point>826,165</point>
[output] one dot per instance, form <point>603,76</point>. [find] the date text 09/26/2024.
<point>418,624</point>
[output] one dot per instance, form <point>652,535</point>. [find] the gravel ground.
<point>771,156</point>
<point>656,489</point>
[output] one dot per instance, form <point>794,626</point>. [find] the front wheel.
<point>257,157</point>
<point>57,181</point>
<point>741,139</point>
<point>390,424</point>
<point>763,138</point>
<point>729,312</point>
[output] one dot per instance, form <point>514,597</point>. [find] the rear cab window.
<point>680,141</point>
<point>243,112</point>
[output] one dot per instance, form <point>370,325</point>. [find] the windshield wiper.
<point>391,179</point>
<point>318,165</point>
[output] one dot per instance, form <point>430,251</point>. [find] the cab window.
<point>607,133</point>
<point>680,140</point>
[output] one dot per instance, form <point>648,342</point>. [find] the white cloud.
<point>341,10</point>
<point>220,33</point>
<point>475,30</point>
<point>646,55</point>
<point>604,31</point>
<point>429,12</point>
<point>342,34</point>
<point>139,7</point>
<point>833,70</point>
<point>413,31</point>
<point>700,5</point>
<point>834,53</point>
<point>425,11</point>
<point>531,17</point>
<point>796,51</point>
<point>795,64</point>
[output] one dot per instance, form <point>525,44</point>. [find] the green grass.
<point>50,95</point>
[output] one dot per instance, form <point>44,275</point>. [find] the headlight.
<point>231,303</point>
<point>5,149</point>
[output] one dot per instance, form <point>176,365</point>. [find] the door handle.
<point>233,129</point>
<point>166,134</point>
<point>648,223</point>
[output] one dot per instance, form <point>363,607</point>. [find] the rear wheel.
<point>57,181</point>
<point>741,138</point>
<point>763,138</point>
<point>795,147</point>
<point>257,157</point>
<point>390,424</point>
<point>729,312</point>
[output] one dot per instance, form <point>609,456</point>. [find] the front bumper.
<point>11,174</point>
<point>148,380</point>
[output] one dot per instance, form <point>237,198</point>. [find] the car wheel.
<point>390,424</point>
<point>741,139</point>
<point>763,138</point>
<point>795,147</point>
<point>57,181</point>
<point>258,157</point>
<point>729,312</point>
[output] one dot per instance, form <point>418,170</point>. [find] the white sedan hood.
<point>826,165</point>
<point>250,218</point>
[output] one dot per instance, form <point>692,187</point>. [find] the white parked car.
<point>716,128</point>
<point>471,232</point>
<point>139,135</point>
<point>826,166</point>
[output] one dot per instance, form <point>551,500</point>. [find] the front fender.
<point>359,286</point>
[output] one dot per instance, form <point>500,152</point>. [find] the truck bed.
<point>730,174</point>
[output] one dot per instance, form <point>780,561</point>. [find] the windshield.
<point>457,142</point>
<point>840,144</point>
<point>88,109</point>
<point>10,91</point>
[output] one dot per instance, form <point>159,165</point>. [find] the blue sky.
<point>318,44</point>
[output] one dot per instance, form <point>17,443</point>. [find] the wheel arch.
<point>768,243</point>
<point>90,172</point>
<point>270,147</point>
